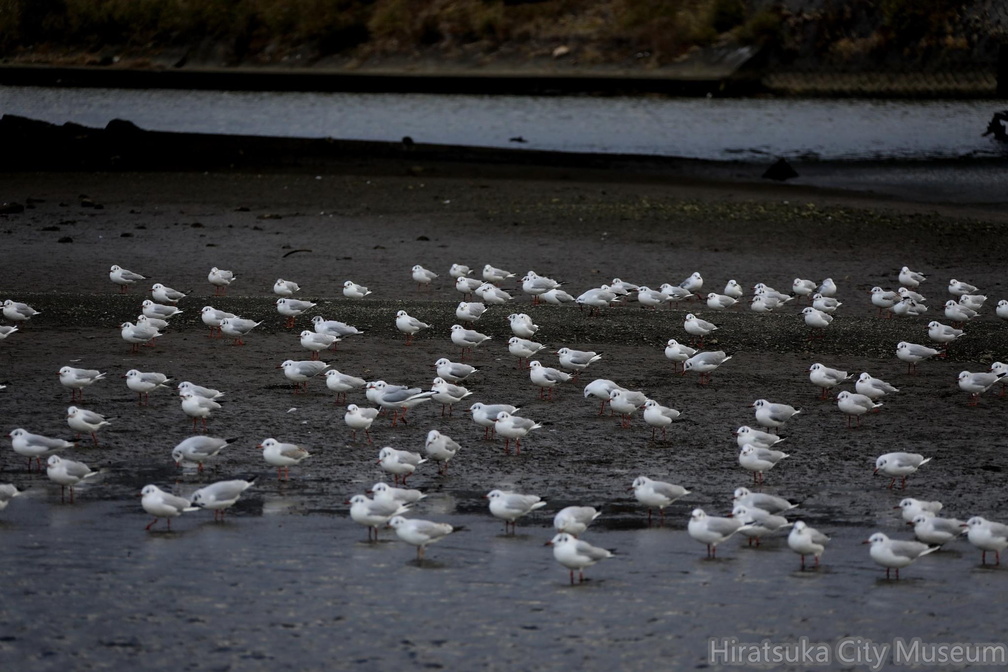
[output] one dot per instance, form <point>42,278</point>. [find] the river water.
<point>716,129</point>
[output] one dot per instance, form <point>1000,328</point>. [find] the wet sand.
<point>288,580</point>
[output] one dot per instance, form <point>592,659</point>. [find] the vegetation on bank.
<point>626,33</point>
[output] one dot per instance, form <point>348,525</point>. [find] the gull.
<point>907,293</point>
<point>910,278</point>
<point>827,288</point>
<point>199,390</point>
<point>656,494</point>
<point>409,325</point>
<point>764,304</point>
<point>675,292</point>
<point>220,279</point>
<point>712,530</point>
<point>198,408</point>
<point>651,298</point>
<point>895,553</point>
<point>767,292</point>
<point>678,353</point>
<point>78,379</point>
<point>382,490</point>
<point>7,493</point>
<point>535,285</point>
<point>705,363</point>
<point>899,465</point>
<point>855,405</point>
<point>1002,309</point>
<point>470,311</point>
<point>513,427</point>
<point>6,331</point>
<point>453,372</point>
<point>826,304</point>
<point>623,288</point>
<point>67,473</point>
<point>959,288</point>
<point>360,418</point>
<point>300,371</point>
<point>759,460</point>
<point>440,448</point>
<point>600,388</point>
<point>161,504</point>
<point>496,275</point>
<point>908,307</point>
<point>35,445</point>
<point>285,288</point>
<point>717,301</point>
<point>694,326</point>
<point>773,415</point>
<point>422,276</point>
<point>291,308</point>
<point>510,506</point>
<point>733,289</point>
<point>933,530</point>
<point>334,327</point>
<point>164,294</point>
<point>399,462</point>
<point>577,360</point>
<point>522,325</point>
<point>419,532</point>
<point>873,388</point>
<point>756,437</point>
<point>467,339</point>
<point>596,299</point>
<point>341,383</point>
<point>816,319</point>
<point>759,500</point>
<point>447,394</point>
<point>574,553</point>
<point>826,378</point>
<point>546,377</point>
<point>523,349</point>
<point>659,417</point>
<point>198,450</point>
<point>221,495</point>
<point>485,415</point>
<point>374,513</point>
<point>556,297</point>
<point>911,353</point>
<point>84,421</point>
<point>152,322</point>
<point>987,535</point>
<point>977,383</point>
<point>459,271</point>
<point>282,456</point>
<point>495,296</point>
<point>124,278</point>
<point>316,342</point>
<point>626,404</point>
<point>352,290</point>
<point>144,382</point>
<point>212,318</point>
<point>973,301</point>
<point>399,399</point>
<point>913,507</point>
<point>759,522</point>
<point>237,327</point>
<point>161,311</point>
<point>805,540</point>
<point>467,286</point>
<point>574,520</point>
<point>803,287</point>
<point>958,313</point>
<point>137,335</point>
<point>693,283</point>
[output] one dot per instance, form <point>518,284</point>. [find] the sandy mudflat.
<point>288,581</point>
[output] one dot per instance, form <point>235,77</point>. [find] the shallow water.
<point>716,129</point>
